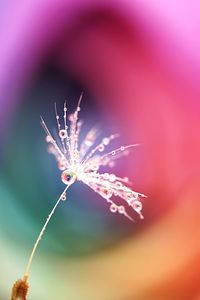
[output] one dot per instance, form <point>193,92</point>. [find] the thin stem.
<point>40,236</point>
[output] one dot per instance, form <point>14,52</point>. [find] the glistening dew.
<point>82,160</point>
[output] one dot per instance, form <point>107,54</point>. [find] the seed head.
<point>81,161</point>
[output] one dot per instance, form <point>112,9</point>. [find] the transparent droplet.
<point>112,178</point>
<point>88,143</point>
<point>68,177</point>
<point>118,185</point>
<point>62,164</point>
<point>122,148</point>
<point>63,197</point>
<point>101,148</point>
<point>121,209</point>
<point>106,176</point>
<point>126,179</point>
<point>48,139</point>
<point>106,141</point>
<point>106,193</point>
<point>137,206</point>
<point>63,133</point>
<point>113,152</point>
<point>129,197</point>
<point>113,208</point>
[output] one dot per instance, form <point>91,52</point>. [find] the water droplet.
<point>129,197</point>
<point>137,206</point>
<point>106,193</point>
<point>106,141</point>
<point>63,197</point>
<point>48,139</point>
<point>118,185</point>
<point>113,152</point>
<point>106,176</point>
<point>112,178</point>
<point>122,148</point>
<point>62,164</point>
<point>65,109</point>
<point>101,148</point>
<point>126,179</point>
<point>68,177</point>
<point>63,133</point>
<point>88,143</point>
<point>121,209</point>
<point>113,208</point>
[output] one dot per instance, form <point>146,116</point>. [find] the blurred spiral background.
<point>138,64</point>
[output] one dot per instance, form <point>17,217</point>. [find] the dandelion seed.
<point>81,161</point>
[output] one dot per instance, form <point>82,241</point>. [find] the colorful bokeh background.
<point>138,64</point>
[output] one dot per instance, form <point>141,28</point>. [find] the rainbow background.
<point>138,64</point>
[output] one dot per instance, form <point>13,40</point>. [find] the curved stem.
<point>40,236</point>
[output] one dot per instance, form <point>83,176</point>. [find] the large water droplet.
<point>48,139</point>
<point>68,177</point>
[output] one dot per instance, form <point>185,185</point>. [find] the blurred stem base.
<point>20,289</point>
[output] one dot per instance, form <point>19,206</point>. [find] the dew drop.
<point>48,139</point>
<point>106,141</point>
<point>126,179</point>
<point>113,208</point>
<point>101,148</point>
<point>68,177</point>
<point>63,197</point>
<point>113,152</point>
<point>106,176</point>
<point>129,197</point>
<point>63,133</point>
<point>121,209</point>
<point>106,193</point>
<point>122,148</point>
<point>112,178</point>
<point>118,185</point>
<point>137,206</point>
